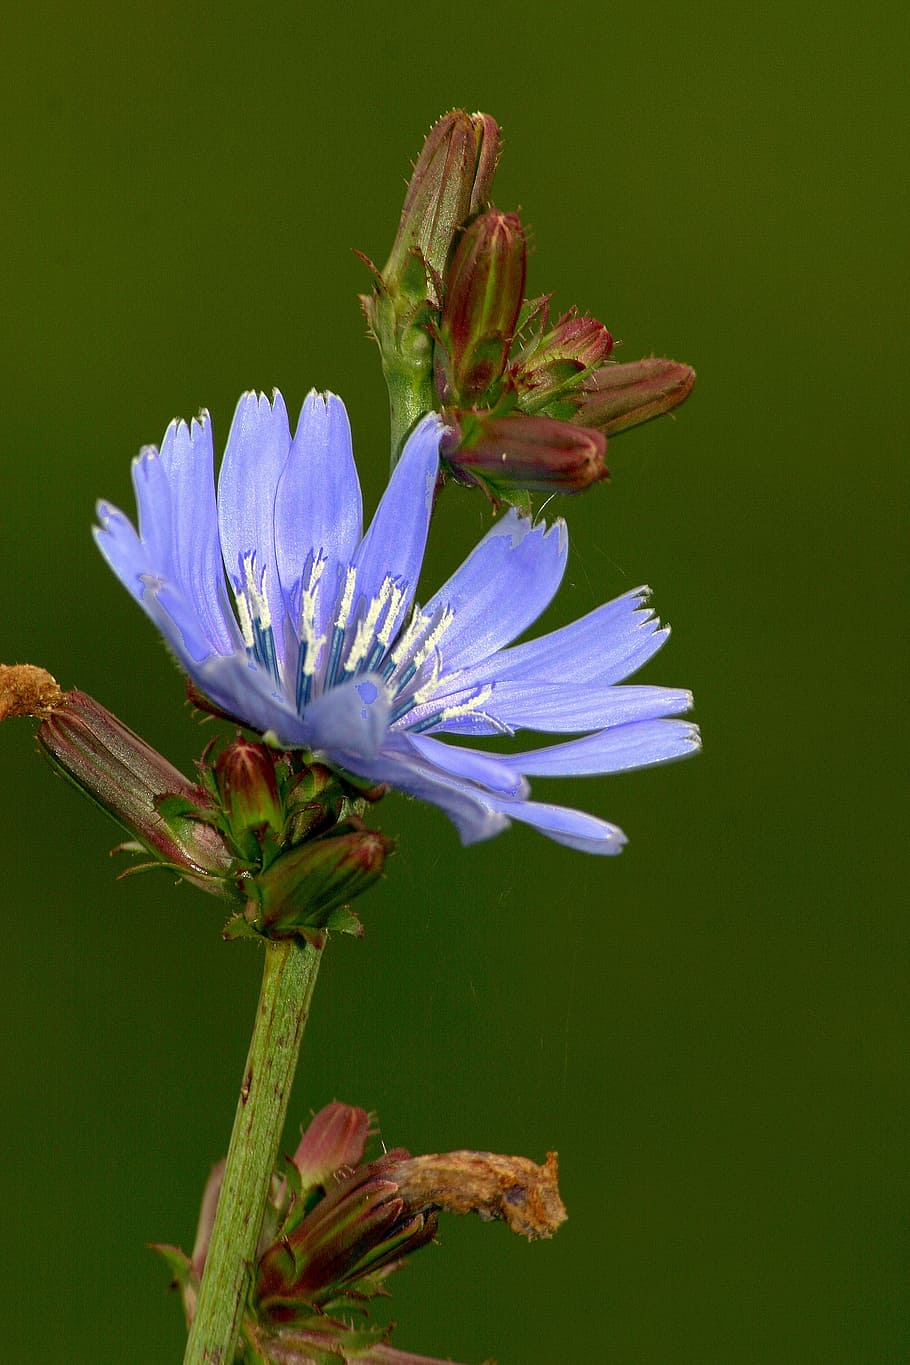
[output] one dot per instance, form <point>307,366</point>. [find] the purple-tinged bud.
<point>484,288</point>
<point>360,1228</point>
<point>248,787</point>
<point>559,361</point>
<point>137,786</point>
<point>621,396</point>
<point>336,1137</point>
<point>539,454</point>
<point>306,889</point>
<point>451,180</point>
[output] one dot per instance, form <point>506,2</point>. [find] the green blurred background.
<point>711,1030</point>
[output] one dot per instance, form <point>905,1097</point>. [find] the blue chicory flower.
<point>325,649</point>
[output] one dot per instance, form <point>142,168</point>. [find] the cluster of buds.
<point>270,830</point>
<point>529,405</point>
<point>338,1226</point>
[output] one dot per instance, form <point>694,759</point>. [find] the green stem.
<point>284,1002</point>
<point>409,378</point>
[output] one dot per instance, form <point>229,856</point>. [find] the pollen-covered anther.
<point>366,628</point>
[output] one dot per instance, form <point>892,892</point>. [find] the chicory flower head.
<point>324,647</point>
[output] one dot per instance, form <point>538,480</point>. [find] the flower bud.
<point>248,787</point>
<point>138,787</point>
<point>557,363</point>
<point>484,288</point>
<point>336,1137</point>
<point>621,396</point>
<point>539,454</point>
<point>451,180</point>
<point>306,889</point>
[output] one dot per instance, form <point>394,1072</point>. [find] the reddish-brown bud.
<point>621,396</point>
<point>556,364</point>
<point>336,1137</point>
<point>138,787</point>
<point>539,454</point>
<point>484,288</point>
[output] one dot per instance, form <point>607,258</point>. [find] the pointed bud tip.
<point>248,784</point>
<point>450,181</point>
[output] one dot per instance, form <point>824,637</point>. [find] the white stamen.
<point>396,596</point>
<point>365,628</point>
<point>426,690</point>
<point>246,624</point>
<point>310,639</point>
<point>467,708</point>
<point>419,623</point>
<point>347,599</point>
<point>257,599</point>
<point>435,635</point>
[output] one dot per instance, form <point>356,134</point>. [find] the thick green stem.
<point>409,378</point>
<point>284,1002</point>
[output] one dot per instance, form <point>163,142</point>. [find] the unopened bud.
<point>136,785</point>
<point>361,1227</point>
<point>248,786</point>
<point>484,288</point>
<point>557,363</point>
<point>539,454</point>
<point>621,396</point>
<point>303,890</point>
<point>335,1138</point>
<point>451,180</point>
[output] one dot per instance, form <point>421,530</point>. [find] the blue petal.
<point>639,745</point>
<point>246,690</point>
<point>117,540</point>
<point>400,765</point>
<point>393,546</point>
<point>318,507</point>
<point>574,828</point>
<point>502,586</point>
<point>187,459</point>
<point>254,459</point>
<point>472,765</point>
<point>350,721</point>
<point>164,571</point>
<point>556,707</point>
<point>162,602</point>
<point>608,644</point>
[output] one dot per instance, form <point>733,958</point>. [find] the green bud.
<point>248,787</point>
<point>307,888</point>
<point>621,396</point>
